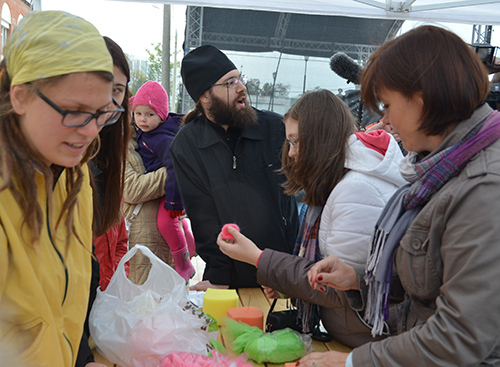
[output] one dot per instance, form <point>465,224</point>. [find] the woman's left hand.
<point>323,359</point>
<point>332,272</point>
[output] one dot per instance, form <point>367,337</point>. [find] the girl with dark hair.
<point>110,158</point>
<point>108,170</point>
<point>108,173</point>
<point>347,177</point>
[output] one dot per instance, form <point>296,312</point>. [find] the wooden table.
<point>255,297</point>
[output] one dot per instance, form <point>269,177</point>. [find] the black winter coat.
<point>218,187</point>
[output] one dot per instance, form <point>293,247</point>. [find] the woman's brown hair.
<point>325,125</point>
<point>435,62</point>
<point>17,166</point>
<point>108,179</point>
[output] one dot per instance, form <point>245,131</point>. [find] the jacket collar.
<point>210,135</point>
<point>463,128</point>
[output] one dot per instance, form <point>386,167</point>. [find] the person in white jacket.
<point>354,205</point>
<point>348,177</point>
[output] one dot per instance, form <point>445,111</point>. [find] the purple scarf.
<point>405,205</point>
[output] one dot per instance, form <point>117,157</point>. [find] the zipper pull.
<point>234,162</point>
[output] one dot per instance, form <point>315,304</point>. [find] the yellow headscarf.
<point>51,43</point>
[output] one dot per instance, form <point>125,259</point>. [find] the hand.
<point>381,125</point>
<point>241,248</point>
<point>95,364</point>
<point>393,132</point>
<point>334,273</point>
<point>271,293</point>
<point>205,284</point>
<point>377,126</point>
<point>323,359</point>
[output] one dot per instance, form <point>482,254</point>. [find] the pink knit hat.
<point>152,94</point>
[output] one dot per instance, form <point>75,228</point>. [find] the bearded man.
<point>227,160</point>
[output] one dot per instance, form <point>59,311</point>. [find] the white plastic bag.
<point>136,325</point>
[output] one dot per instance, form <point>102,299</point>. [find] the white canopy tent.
<point>453,11</point>
<point>261,66</point>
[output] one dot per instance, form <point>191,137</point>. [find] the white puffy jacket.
<point>354,205</point>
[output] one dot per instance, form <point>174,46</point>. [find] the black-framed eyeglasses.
<point>293,142</point>
<point>82,118</point>
<point>233,82</point>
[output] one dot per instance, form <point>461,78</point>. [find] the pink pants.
<point>176,232</point>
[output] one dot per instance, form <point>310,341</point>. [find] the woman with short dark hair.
<point>433,265</point>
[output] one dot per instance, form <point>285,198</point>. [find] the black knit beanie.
<point>202,67</point>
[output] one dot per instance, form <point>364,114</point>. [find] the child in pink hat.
<point>156,130</point>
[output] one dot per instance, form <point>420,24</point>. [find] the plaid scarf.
<point>430,175</point>
<point>307,246</point>
<point>307,243</point>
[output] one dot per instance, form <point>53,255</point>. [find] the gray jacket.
<point>448,264</point>
<point>288,274</point>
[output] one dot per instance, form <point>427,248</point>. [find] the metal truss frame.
<point>195,37</point>
<point>481,34</point>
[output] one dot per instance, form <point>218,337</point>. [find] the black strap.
<point>273,305</point>
<point>316,333</point>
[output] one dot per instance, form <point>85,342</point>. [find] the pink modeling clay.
<point>225,233</point>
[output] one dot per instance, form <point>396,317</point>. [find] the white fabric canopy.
<point>454,11</point>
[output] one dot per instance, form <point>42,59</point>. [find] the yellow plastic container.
<point>216,302</point>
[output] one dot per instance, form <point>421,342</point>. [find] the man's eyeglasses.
<point>233,82</point>
<point>82,118</point>
<point>294,142</point>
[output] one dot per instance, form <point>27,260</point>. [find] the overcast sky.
<point>134,26</point>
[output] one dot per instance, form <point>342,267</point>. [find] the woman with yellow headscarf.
<point>55,97</point>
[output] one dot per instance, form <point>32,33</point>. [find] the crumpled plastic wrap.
<point>137,325</point>
<point>279,346</point>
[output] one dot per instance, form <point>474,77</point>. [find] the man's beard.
<point>231,115</point>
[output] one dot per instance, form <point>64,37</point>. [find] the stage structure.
<point>252,31</point>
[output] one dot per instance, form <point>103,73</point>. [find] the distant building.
<point>137,63</point>
<point>12,12</point>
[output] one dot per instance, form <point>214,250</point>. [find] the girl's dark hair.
<point>436,62</point>
<point>325,125</point>
<point>119,58</point>
<point>16,166</point>
<point>110,160</point>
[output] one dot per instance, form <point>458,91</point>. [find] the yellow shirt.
<point>44,288</point>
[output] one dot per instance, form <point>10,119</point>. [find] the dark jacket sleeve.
<point>173,199</point>
<point>84,352</point>
<point>202,211</point>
